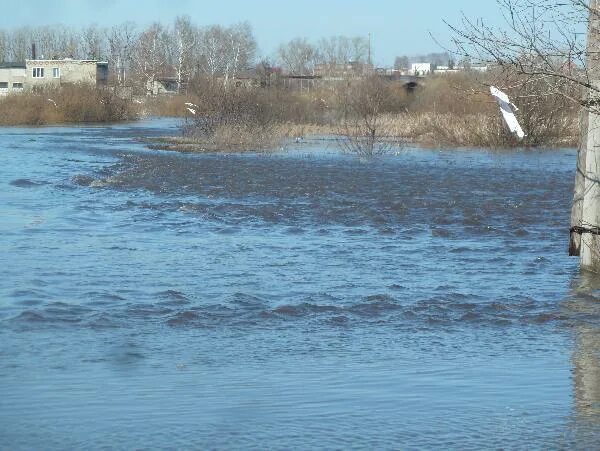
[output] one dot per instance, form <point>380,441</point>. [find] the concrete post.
<point>585,214</point>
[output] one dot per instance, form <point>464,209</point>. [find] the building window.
<point>17,85</point>
<point>38,72</point>
<point>56,72</point>
<point>3,85</point>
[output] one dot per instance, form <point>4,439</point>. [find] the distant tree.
<point>211,49</point>
<point>297,56</point>
<point>240,50</point>
<point>20,44</point>
<point>465,63</point>
<point>151,53</point>
<point>58,42</point>
<point>402,63</point>
<point>341,50</point>
<point>4,49</point>
<point>183,40</point>
<point>224,51</point>
<point>92,42</point>
<point>264,71</point>
<point>121,42</point>
<point>360,49</point>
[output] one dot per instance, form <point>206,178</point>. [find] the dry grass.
<point>169,105</point>
<point>69,104</point>
<point>459,111</point>
<point>447,111</point>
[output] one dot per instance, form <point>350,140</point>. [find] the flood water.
<point>303,299</point>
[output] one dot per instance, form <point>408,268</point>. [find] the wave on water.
<point>176,309</point>
<point>27,183</point>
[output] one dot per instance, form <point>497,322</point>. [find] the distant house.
<point>420,69</point>
<point>446,70</point>
<point>162,85</point>
<point>42,73</point>
<point>12,78</point>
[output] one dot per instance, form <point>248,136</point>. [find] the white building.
<point>12,78</point>
<point>446,70</point>
<point>420,69</point>
<point>65,71</point>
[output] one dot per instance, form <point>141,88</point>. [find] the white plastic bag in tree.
<point>507,112</point>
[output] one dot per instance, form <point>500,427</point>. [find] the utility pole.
<point>585,213</point>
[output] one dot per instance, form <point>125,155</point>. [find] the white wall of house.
<point>12,80</point>
<point>420,68</point>
<point>58,72</point>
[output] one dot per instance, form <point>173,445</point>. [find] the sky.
<point>397,27</point>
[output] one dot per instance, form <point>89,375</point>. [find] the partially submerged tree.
<point>364,126</point>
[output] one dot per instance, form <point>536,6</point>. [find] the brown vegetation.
<point>373,115</point>
<point>68,104</point>
<point>368,115</point>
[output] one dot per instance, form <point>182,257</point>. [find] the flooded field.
<point>305,299</point>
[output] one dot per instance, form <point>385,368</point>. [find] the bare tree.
<point>92,42</point>
<point>364,126</point>
<point>151,53</point>
<point>66,43</point>
<point>121,41</point>
<point>211,49</point>
<point>298,56</point>
<point>224,51</point>
<point>241,49</point>
<point>4,46</point>
<point>541,39</point>
<point>184,40</point>
<point>341,50</point>
<point>402,63</point>
<point>20,44</point>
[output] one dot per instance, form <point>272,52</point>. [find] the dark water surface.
<point>305,299</point>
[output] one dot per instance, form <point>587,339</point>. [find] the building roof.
<point>12,65</point>
<point>64,60</point>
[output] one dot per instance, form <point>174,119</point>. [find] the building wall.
<point>420,68</point>
<point>12,76</point>
<point>69,71</point>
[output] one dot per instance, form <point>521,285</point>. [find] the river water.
<point>303,299</point>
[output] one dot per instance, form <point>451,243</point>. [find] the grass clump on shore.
<point>67,104</point>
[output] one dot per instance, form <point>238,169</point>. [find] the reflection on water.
<point>297,300</point>
<point>583,311</point>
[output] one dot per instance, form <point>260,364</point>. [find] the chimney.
<point>33,51</point>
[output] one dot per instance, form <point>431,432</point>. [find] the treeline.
<point>181,49</point>
<point>301,56</point>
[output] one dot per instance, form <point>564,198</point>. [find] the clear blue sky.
<point>397,26</point>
